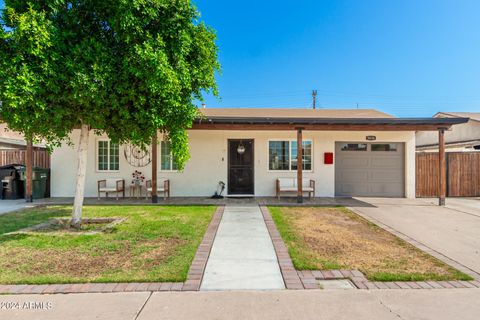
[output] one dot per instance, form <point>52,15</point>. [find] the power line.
<point>355,96</point>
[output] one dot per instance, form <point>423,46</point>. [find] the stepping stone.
<point>342,284</point>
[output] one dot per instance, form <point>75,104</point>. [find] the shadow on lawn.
<point>24,218</point>
<point>12,237</point>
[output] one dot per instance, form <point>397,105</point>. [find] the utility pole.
<point>314,97</point>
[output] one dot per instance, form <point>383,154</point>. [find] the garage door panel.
<point>346,189</point>
<point>355,162</point>
<point>386,162</point>
<point>369,173</point>
<point>386,188</point>
<point>353,175</point>
<point>386,176</point>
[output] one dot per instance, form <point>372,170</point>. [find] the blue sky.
<point>408,58</point>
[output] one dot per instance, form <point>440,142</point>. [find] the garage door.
<point>369,169</point>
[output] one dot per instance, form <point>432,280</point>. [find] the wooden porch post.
<point>154,168</point>
<point>29,172</point>
<point>299,166</point>
<point>442,168</point>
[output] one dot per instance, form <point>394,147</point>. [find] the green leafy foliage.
<point>126,68</point>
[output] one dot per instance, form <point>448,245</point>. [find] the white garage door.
<point>369,169</point>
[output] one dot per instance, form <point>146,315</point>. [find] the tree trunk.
<point>29,172</point>
<point>81,172</point>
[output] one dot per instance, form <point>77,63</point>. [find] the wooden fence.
<point>463,174</point>
<point>41,158</point>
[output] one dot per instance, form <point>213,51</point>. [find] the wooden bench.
<point>163,186</point>
<point>290,185</point>
<point>111,185</point>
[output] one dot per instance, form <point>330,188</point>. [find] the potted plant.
<point>137,178</point>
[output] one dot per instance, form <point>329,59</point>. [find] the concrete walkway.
<point>242,256</point>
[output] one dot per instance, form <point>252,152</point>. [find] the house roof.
<point>450,144</point>
<point>15,143</point>
<point>320,119</point>
<point>293,113</point>
<point>472,115</point>
<point>14,139</point>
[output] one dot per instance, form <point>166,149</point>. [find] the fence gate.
<point>463,174</point>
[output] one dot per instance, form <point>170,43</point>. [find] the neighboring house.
<point>13,149</point>
<point>462,137</point>
<point>10,139</point>
<point>13,140</point>
<point>248,149</point>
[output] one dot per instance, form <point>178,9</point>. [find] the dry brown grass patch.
<point>336,236</point>
<point>88,265</point>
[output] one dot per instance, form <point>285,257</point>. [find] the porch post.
<point>299,166</point>
<point>154,168</point>
<point>29,172</point>
<point>442,168</point>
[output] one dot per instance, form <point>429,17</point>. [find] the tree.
<point>127,68</point>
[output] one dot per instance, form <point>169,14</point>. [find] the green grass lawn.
<point>326,238</point>
<point>155,243</point>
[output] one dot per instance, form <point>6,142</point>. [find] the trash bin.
<point>40,179</point>
<point>11,184</point>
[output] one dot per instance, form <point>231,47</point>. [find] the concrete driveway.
<point>465,205</point>
<point>13,205</point>
<point>453,230</point>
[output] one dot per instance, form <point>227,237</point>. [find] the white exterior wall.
<point>208,163</point>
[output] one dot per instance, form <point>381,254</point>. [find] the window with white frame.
<point>167,162</point>
<point>282,155</point>
<point>108,156</point>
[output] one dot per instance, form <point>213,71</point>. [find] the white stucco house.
<point>462,137</point>
<point>346,152</point>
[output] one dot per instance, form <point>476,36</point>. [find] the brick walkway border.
<point>194,278</point>
<point>454,264</point>
<point>308,279</point>
<point>290,275</point>
<point>199,263</point>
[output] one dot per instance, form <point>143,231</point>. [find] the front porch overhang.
<point>327,124</point>
<point>336,124</point>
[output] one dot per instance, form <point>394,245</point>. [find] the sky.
<point>409,58</point>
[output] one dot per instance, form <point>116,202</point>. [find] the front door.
<point>240,167</point>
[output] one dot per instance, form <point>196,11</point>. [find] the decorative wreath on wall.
<point>136,156</point>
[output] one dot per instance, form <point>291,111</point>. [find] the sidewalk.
<point>265,305</point>
<point>242,256</point>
